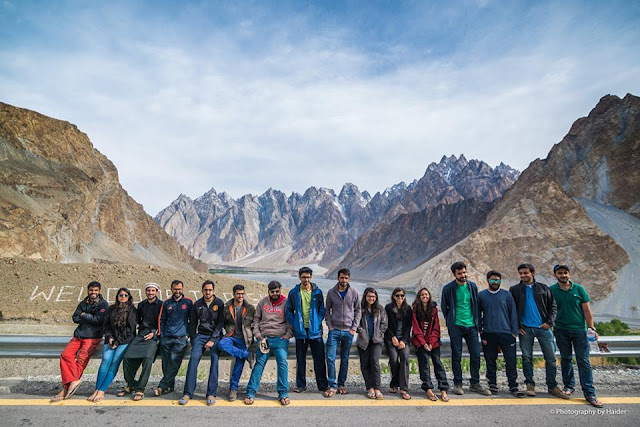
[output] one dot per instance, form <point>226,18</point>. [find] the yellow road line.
<point>271,403</point>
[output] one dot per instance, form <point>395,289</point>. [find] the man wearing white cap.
<point>142,350</point>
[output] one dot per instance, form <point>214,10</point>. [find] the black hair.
<point>493,273</point>
<point>529,266</point>
<point>120,312</point>
<point>375,307</point>
<point>305,270</point>
<point>421,314</point>
<point>205,283</point>
<point>238,288</point>
<point>176,282</point>
<point>458,266</point>
<point>404,307</point>
<point>274,284</point>
<point>94,285</point>
<point>344,272</point>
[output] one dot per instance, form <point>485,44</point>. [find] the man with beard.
<point>238,319</point>
<point>89,315</point>
<point>270,327</point>
<point>143,348</point>
<point>205,330</point>
<point>173,331</point>
<point>574,316</point>
<point>498,329</point>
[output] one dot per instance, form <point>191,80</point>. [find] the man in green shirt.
<point>574,316</point>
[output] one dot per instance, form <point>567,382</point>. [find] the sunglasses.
<point>399,295</point>
<point>494,281</point>
<point>123,295</point>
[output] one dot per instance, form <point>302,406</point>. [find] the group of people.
<point>492,319</point>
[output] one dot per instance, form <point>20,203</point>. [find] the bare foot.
<point>93,396</point>
<point>60,396</point>
<point>99,396</point>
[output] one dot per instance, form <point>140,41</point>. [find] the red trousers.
<point>75,357</point>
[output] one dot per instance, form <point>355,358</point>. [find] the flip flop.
<point>371,394</point>
<point>393,390</point>
<point>284,401</point>
<point>329,392</point>
<point>72,390</point>
<point>343,390</point>
<point>444,396</point>
<point>379,395</point>
<point>125,391</point>
<point>405,395</point>
<point>432,397</point>
<point>138,396</point>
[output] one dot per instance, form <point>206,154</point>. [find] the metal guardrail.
<point>47,347</point>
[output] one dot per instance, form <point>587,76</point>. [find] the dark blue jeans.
<point>344,339</point>
<point>565,339</point>
<point>172,350</point>
<point>197,348</point>
<point>470,335</point>
<point>319,364</point>
<point>508,345</point>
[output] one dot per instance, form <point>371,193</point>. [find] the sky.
<point>242,96</point>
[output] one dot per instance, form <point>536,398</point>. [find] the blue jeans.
<point>279,347</point>
<point>545,339</point>
<point>235,347</point>
<point>197,348</point>
<point>109,366</point>
<point>344,338</point>
<point>565,338</point>
<point>470,335</point>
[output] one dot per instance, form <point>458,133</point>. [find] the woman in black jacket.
<point>396,340</point>
<point>120,329</point>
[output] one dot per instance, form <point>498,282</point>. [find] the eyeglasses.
<point>494,281</point>
<point>123,295</point>
<point>399,295</point>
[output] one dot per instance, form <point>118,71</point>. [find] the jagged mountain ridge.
<point>318,226</point>
<point>61,200</point>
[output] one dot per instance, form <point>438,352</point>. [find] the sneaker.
<point>233,395</point>
<point>531,390</point>
<point>493,388</point>
<point>185,399</point>
<point>251,359</point>
<point>457,389</point>
<point>558,393</point>
<point>477,388</point>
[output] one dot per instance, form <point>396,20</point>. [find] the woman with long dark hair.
<point>373,325</point>
<point>120,329</point>
<point>426,339</point>
<point>396,340</point>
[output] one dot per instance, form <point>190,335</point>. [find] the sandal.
<point>138,396</point>
<point>432,397</point>
<point>393,390</point>
<point>58,397</point>
<point>405,395</point>
<point>595,402</point>
<point>379,395</point>
<point>567,391</point>
<point>371,394</point>
<point>444,396</point>
<point>125,391</point>
<point>343,390</point>
<point>72,390</point>
<point>284,401</point>
<point>159,391</point>
<point>329,392</point>
<point>248,400</point>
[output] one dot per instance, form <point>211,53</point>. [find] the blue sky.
<point>243,96</point>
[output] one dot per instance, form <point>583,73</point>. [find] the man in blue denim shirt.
<point>536,315</point>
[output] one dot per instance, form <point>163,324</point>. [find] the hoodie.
<point>270,320</point>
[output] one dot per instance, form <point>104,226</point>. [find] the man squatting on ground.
<point>305,312</point>
<point>143,348</point>
<point>89,315</point>
<point>205,330</point>
<point>343,312</point>
<point>238,318</point>
<point>537,310</point>
<point>574,316</point>
<point>173,330</point>
<point>459,303</point>
<point>271,328</point>
<point>499,329</point>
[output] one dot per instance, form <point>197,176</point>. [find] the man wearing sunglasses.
<point>460,309</point>
<point>499,329</point>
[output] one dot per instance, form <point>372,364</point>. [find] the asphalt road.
<point>310,409</point>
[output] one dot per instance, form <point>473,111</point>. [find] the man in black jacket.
<point>205,330</point>
<point>459,303</point>
<point>89,316</point>
<point>536,309</point>
<point>143,348</point>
